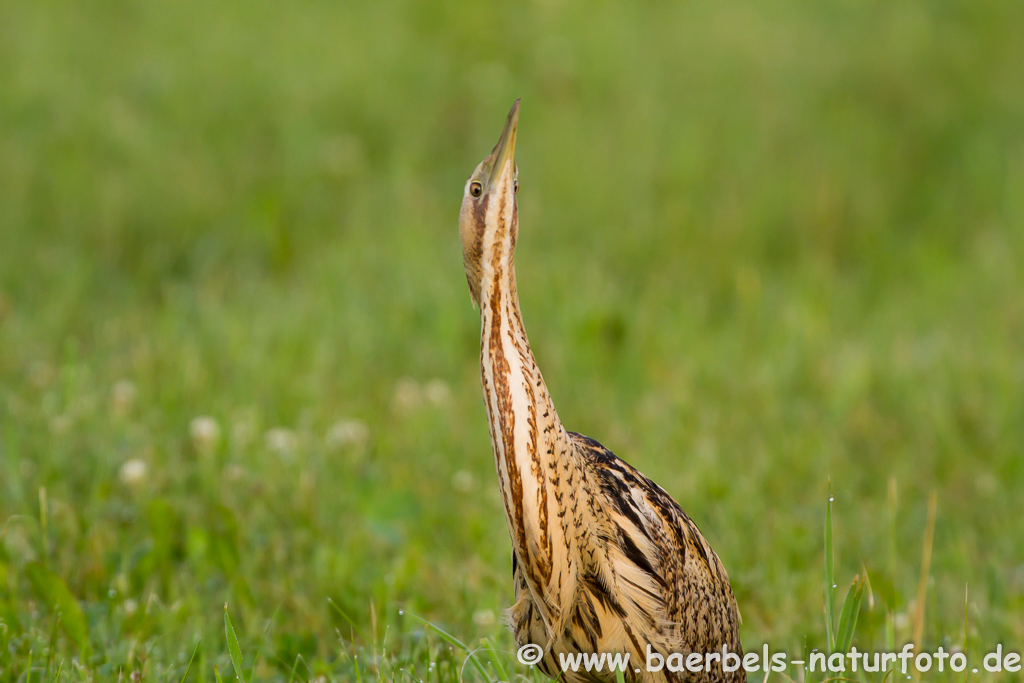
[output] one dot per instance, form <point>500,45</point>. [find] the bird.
<point>603,559</point>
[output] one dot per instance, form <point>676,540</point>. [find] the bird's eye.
<point>515,187</point>
<point>476,189</point>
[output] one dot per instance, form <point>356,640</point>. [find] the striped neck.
<point>530,445</point>
<point>519,407</point>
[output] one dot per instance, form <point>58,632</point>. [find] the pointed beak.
<point>504,152</point>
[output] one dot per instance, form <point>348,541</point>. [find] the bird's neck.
<point>531,448</point>
<point>517,397</point>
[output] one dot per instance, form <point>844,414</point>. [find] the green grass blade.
<point>191,659</point>
<point>499,665</point>
<point>60,667</point>
<point>890,631</point>
<point>966,588</point>
<point>452,640</point>
<point>263,639</point>
<point>341,613</point>
<point>829,576</point>
<point>295,668</point>
<point>51,590</point>
<point>890,617</point>
<point>849,614</point>
<point>216,675</point>
<point>233,649</point>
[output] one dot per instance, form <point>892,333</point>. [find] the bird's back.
<point>645,575</point>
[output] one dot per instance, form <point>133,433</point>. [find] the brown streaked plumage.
<point>603,559</point>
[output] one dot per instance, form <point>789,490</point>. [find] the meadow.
<point>767,252</point>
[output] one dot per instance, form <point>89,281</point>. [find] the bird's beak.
<point>504,152</point>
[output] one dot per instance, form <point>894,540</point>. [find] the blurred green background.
<point>762,247</point>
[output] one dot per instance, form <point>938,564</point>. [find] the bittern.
<point>603,559</point>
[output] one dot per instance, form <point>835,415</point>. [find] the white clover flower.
<point>483,617</point>
<point>205,433</point>
<point>122,397</point>
<point>408,395</point>
<point>438,392</point>
<point>41,373</point>
<point>235,472</point>
<point>986,483</point>
<point>133,472</point>
<point>464,481</point>
<point>342,155</point>
<point>60,424</point>
<point>345,432</point>
<point>282,441</point>
<point>243,427</point>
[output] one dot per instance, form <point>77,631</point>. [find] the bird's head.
<point>488,222</point>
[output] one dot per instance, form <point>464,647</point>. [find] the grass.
<point>762,248</point>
